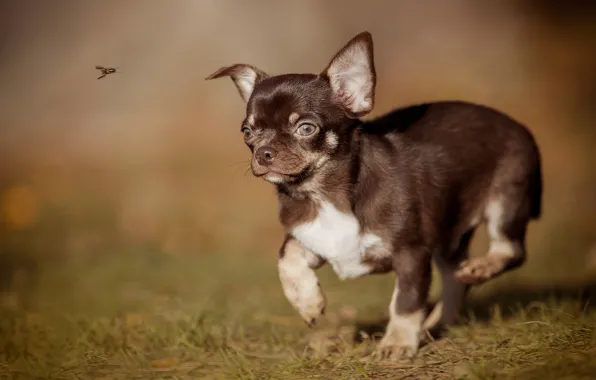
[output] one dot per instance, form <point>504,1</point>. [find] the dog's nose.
<point>265,155</point>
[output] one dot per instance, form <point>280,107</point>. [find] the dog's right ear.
<point>245,77</point>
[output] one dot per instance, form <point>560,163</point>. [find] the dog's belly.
<point>337,237</point>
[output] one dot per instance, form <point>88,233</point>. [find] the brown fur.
<point>421,177</point>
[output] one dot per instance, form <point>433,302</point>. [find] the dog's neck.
<point>333,182</point>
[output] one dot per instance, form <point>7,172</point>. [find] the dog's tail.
<point>535,191</point>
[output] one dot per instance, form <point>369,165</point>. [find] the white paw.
<point>311,307</point>
<point>301,287</point>
<point>402,337</point>
<point>393,348</point>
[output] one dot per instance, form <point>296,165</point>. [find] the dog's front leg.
<point>299,281</point>
<point>407,307</point>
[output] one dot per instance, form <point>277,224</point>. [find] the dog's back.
<point>455,156</point>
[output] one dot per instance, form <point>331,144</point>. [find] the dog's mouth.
<point>278,177</point>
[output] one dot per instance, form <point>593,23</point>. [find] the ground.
<point>147,315</point>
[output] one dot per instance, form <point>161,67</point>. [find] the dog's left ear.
<point>245,77</point>
<point>352,76</point>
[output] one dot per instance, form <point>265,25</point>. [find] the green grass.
<point>147,315</point>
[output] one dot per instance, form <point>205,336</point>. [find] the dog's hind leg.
<point>453,292</point>
<point>507,217</point>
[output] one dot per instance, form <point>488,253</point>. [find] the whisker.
<point>243,162</point>
<point>239,168</point>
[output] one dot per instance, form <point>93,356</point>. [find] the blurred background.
<point>152,157</point>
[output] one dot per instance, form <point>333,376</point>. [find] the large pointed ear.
<point>352,76</point>
<point>245,77</point>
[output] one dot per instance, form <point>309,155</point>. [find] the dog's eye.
<point>247,133</point>
<point>306,129</point>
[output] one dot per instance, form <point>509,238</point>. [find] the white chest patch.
<point>337,237</point>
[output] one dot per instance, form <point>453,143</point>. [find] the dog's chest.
<point>337,237</point>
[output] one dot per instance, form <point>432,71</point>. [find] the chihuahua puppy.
<point>389,194</point>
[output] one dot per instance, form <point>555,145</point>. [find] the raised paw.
<point>480,269</point>
<point>300,283</point>
<point>306,296</point>
<point>312,309</point>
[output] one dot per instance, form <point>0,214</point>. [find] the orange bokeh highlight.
<point>19,207</point>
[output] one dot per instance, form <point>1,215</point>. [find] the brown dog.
<point>388,194</point>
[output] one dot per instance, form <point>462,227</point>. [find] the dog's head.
<point>295,123</point>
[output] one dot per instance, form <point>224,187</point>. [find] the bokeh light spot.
<point>20,207</point>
